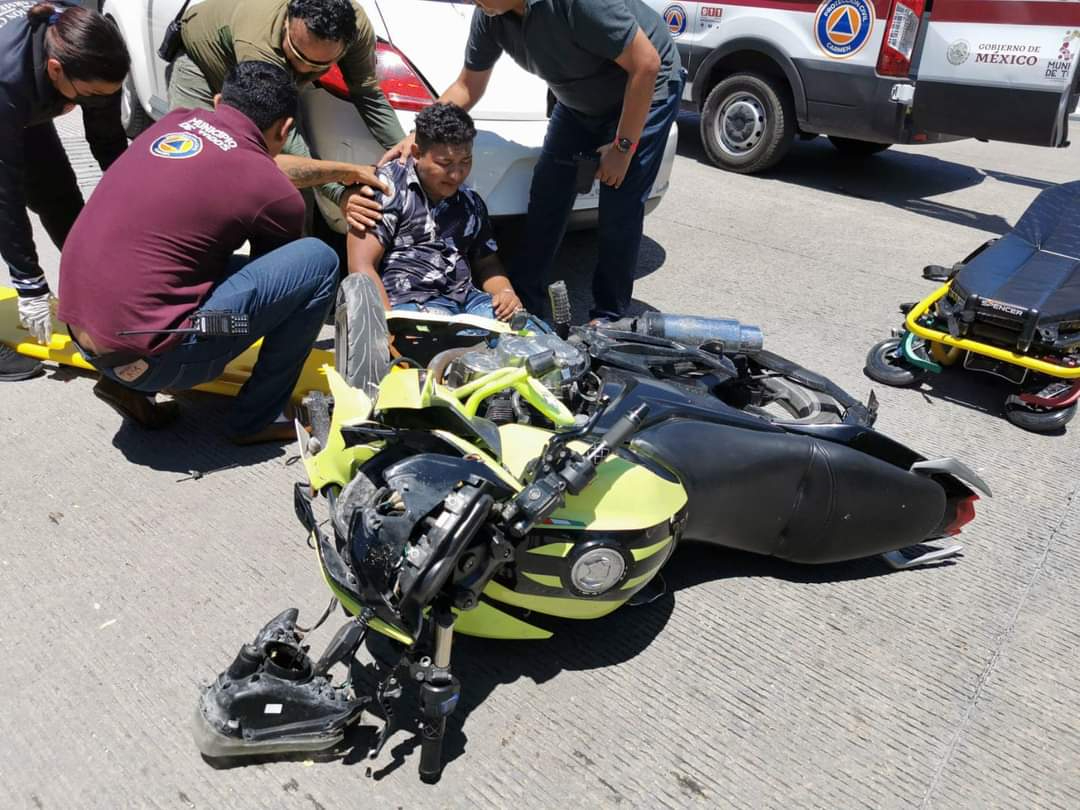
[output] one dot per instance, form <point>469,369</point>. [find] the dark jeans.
<point>622,210</point>
<point>286,294</point>
<point>52,191</point>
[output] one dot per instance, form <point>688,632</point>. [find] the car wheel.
<point>1038,420</point>
<point>748,122</point>
<point>132,115</point>
<point>361,344</point>
<point>849,147</point>
<point>886,365</point>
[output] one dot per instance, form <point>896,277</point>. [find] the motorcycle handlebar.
<point>625,427</point>
<point>432,733</point>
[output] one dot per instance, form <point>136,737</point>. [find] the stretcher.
<point>61,350</point>
<point>1010,309</point>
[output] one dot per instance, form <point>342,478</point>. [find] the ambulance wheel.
<point>748,122</point>
<point>886,365</point>
<point>1038,420</point>
<point>849,147</point>
<point>361,342</point>
<point>133,117</point>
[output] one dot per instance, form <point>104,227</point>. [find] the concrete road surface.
<point>751,683</point>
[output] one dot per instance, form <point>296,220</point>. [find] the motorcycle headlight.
<point>597,570</point>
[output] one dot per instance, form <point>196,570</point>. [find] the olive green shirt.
<point>219,33</point>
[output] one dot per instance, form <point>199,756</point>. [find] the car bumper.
<point>504,156</point>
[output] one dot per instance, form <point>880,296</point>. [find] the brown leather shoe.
<point>135,405</point>
<point>279,432</point>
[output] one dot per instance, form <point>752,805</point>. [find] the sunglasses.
<point>317,66</point>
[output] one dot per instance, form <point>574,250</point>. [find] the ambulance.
<point>872,73</point>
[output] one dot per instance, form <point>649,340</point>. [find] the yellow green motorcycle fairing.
<point>627,507</point>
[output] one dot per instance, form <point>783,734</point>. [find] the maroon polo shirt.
<point>159,229</point>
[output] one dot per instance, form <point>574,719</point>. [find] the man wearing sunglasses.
<point>306,38</point>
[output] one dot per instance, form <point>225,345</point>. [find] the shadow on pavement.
<point>196,442</point>
<point>906,180</point>
<point>973,390</point>
<point>483,665</point>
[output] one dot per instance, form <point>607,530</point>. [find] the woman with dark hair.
<point>53,57</point>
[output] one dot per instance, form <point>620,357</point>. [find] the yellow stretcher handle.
<point>1006,356</point>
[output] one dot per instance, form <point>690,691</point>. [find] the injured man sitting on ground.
<point>434,249</point>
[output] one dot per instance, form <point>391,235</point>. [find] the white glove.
<point>36,313</point>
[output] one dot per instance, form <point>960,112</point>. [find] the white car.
<point>421,48</point>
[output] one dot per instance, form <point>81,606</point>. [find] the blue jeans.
<point>476,303</point>
<point>622,210</point>
<point>286,294</point>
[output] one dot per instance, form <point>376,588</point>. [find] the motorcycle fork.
<point>439,694</point>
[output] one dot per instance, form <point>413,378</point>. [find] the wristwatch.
<point>625,145</point>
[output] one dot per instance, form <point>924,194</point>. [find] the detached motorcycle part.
<point>270,700</point>
<point>919,555</point>
<point>886,364</point>
<point>439,695</point>
<point>694,330</point>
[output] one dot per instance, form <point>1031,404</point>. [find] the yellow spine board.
<point>61,350</point>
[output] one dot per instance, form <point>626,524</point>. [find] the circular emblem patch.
<point>675,17</point>
<point>958,52</point>
<point>842,27</point>
<point>176,146</point>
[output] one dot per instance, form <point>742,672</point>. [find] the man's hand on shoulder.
<point>400,151</point>
<point>353,174</point>
<point>360,209</point>
<point>358,204</point>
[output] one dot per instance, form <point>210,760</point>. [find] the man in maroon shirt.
<point>155,244</point>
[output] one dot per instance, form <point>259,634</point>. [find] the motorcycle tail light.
<point>899,40</point>
<point>400,82</point>
<point>965,513</point>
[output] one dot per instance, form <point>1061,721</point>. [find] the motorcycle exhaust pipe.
<point>695,330</point>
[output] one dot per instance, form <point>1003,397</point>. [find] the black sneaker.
<point>14,366</point>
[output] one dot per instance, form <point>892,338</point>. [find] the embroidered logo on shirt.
<point>176,146</point>
<point>218,137</point>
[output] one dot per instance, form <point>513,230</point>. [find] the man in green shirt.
<point>306,38</point>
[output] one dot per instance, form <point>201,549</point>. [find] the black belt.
<point>107,360</point>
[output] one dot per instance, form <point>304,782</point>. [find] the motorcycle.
<point>443,520</point>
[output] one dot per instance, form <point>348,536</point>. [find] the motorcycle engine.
<point>514,351</point>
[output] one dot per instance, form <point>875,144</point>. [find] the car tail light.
<point>400,82</point>
<point>965,513</point>
<point>899,40</point>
